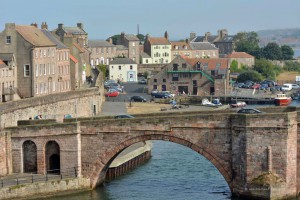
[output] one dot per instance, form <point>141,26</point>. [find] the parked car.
<point>249,111</point>
<point>255,86</point>
<point>240,85</point>
<point>286,87</point>
<point>248,84</point>
<point>123,116</point>
<point>138,99</point>
<point>169,93</point>
<point>264,86</point>
<point>112,93</point>
<point>161,95</point>
<point>295,86</point>
<point>142,81</point>
<point>108,83</point>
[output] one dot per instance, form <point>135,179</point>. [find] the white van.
<point>287,87</point>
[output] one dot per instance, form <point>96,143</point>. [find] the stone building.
<point>204,50</point>
<point>61,79</point>
<point>131,42</point>
<point>102,52</point>
<point>78,33</point>
<point>180,48</point>
<point>194,76</point>
<point>242,58</point>
<point>8,78</point>
<point>123,69</point>
<point>157,50</point>
<point>223,41</point>
<point>31,48</point>
<point>76,39</point>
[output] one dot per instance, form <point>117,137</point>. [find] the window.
<point>53,70</point>
<point>175,77</point>
<point>8,39</point>
<point>146,60</point>
<point>45,69</point>
<point>37,89</point>
<point>26,70</point>
<point>175,67</point>
<point>164,80</point>
<point>41,69</point>
<point>131,67</point>
<point>133,44</point>
<point>36,70</point>
<point>155,80</point>
<point>119,67</point>
<point>183,65</point>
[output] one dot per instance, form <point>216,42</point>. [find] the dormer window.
<point>8,39</point>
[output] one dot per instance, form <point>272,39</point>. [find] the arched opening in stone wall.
<point>52,157</point>
<point>29,157</point>
<point>101,166</point>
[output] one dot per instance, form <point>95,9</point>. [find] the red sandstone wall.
<point>55,106</point>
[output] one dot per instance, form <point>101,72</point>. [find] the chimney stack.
<point>80,25</point>
<point>44,25</point>
<point>34,24</point>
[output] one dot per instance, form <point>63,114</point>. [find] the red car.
<point>112,94</point>
<point>255,86</point>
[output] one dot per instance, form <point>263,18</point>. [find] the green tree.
<point>247,42</point>
<point>141,37</point>
<point>103,69</point>
<point>115,38</point>
<point>234,66</point>
<point>287,52</point>
<point>249,75</point>
<point>272,51</point>
<point>267,69</point>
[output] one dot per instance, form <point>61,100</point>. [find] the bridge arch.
<point>29,157</point>
<point>99,170</point>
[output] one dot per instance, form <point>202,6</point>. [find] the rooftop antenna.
<point>138,29</point>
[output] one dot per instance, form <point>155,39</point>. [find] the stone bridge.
<point>256,154</point>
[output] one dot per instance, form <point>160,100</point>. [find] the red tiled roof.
<point>73,58</point>
<point>158,41</point>
<point>2,64</point>
<point>78,47</point>
<point>239,55</point>
<point>34,36</point>
<point>212,62</point>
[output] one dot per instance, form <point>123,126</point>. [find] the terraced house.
<point>157,50</point>
<point>42,64</point>
<point>194,76</point>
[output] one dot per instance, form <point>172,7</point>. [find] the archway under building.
<point>29,157</point>
<point>53,157</point>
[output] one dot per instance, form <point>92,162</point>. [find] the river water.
<point>174,172</point>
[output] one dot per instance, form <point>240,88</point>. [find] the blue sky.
<point>102,19</point>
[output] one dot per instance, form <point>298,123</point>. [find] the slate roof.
<point>144,55</point>
<point>54,39</point>
<point>122,61</point>
<point>202,46</point>
<point>34,36</point>
<point>131,37</point>
<point>239,55</point>
<point>99,43</point>
<point>121,47</point>
<point>210,38</point>
<point>213,38</point>
<point>180,46</point>
<point>2,64</point>
<point>6,56</point>
<point>158,41</point>
<point>74,31</point>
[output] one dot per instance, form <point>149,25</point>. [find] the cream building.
<point>123,69</point>
<point>157,50</point>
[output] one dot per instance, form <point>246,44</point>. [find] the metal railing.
<point>56,174</point>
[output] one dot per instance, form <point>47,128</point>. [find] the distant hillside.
<point>290,37</point>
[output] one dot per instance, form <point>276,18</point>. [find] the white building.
<point>123,69</point>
